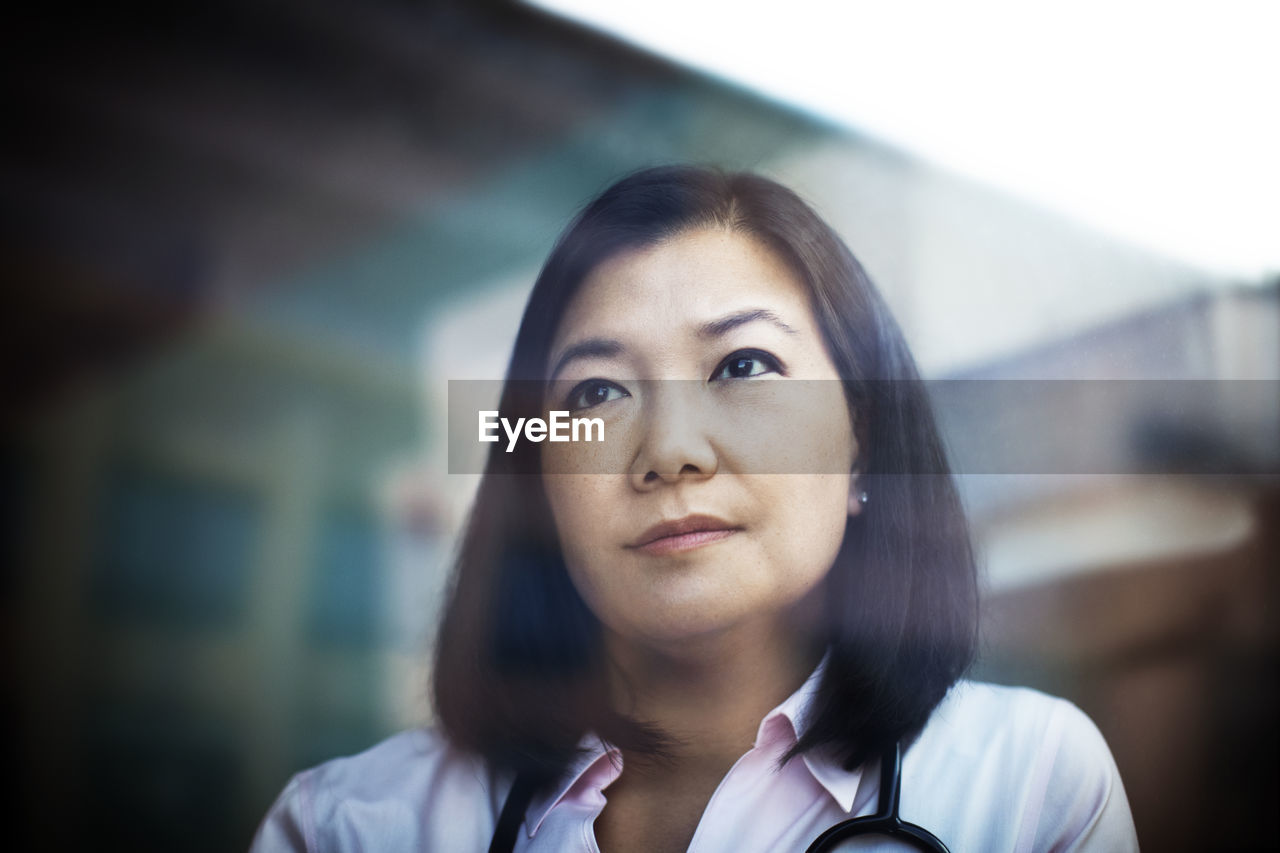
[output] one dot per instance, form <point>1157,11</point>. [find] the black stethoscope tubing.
<point>885,821</point>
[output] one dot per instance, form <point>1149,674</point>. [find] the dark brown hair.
<point>518,675</point>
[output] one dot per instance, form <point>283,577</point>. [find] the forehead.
<point>681,282</point>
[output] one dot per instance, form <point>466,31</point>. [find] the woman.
<point>719,628</point>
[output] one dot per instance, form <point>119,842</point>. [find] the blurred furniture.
<point>1175,660</point>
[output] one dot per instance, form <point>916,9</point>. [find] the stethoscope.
<point>885,821</point>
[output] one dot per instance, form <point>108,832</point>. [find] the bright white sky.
<point>1156,121</point>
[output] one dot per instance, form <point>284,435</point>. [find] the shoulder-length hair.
<point>519,676</point>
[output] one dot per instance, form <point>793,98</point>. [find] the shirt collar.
<point>797,710</point>
<point>780,728</point>
<point>594,757</point>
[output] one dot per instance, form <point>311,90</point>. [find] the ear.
<point>857,495</point>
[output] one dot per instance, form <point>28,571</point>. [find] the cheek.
<point>798,427</point>
<point>811,527</point>
<point>574,505</point>
<point>581,509</point>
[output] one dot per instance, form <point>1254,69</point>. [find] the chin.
<point>680,626</point>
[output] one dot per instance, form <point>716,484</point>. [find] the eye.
<point>747,363</point>
<point>593,392</point>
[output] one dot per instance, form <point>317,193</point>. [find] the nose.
<point>674,443</point>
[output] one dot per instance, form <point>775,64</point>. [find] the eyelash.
<point>769,362</point>
<point>571,401</point>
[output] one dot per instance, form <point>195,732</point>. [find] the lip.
<point>683,534</point>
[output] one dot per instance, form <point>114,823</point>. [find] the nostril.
<point>688,468</point>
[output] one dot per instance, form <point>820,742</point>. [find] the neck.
<point>709,694</point>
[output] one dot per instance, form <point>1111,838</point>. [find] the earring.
<point>858,501</point>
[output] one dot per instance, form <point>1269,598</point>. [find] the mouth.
<point>683,534</point>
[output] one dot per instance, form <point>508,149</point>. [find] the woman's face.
<point>720,495</point>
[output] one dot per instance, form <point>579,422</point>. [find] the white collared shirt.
<point>995,769</point>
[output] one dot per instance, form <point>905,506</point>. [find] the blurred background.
<point>246,245</point>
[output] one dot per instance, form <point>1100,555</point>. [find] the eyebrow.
<point>611,348</point>
<point>726,324</point>
<point>590,348</point>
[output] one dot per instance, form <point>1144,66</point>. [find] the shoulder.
<point>402,768</point>
<point>412,791</point>
<point>1012,732</point>
<point>990,715</point>
<point>1023,722</point>
<point>1038,761</point>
